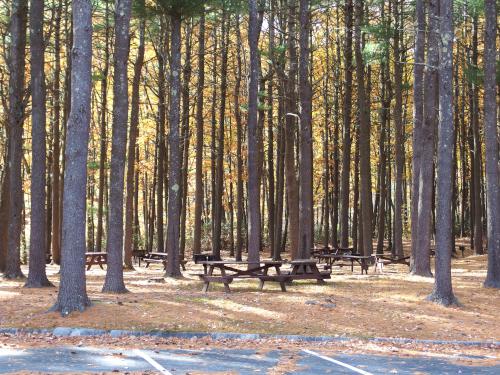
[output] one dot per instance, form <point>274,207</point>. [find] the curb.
<point>81,331</point>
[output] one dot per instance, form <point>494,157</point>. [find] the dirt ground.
<point>391,304</point>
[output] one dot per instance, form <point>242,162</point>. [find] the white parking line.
<point>152,362</point>
<point>355,369</point>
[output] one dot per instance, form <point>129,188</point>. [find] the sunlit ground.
<point>391,304</point>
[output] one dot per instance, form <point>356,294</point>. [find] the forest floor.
<point>391,304</point>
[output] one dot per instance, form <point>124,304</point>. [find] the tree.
<point>346,152</point>
<point>72,291</point>
<point>418,115</point>
<point>427,146</point>
<point>175,159</point>
<point>491,136</point>
<point>292,186</point>
<point>56,155</point>
<point>398,121</point>
<point>199,137</point>
<point>103,133</point>
<point>131,156</point>
<point>443,293</point>
<point>114,273</point>
<point>16,118</point>
<point>254,225</point>
<point>306,154</point>
<point>37,276</point>
<point>364,138</point>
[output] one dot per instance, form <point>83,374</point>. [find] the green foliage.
<point>180,8</point>
<point>473,74</point>
<point>376,50</point>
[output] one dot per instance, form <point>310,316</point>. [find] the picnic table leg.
<point>282,281</point>
<point>261,282</point>
<point>226,285</point>
<point>352,265</point>
<point>207,283</point>
<point>100,263</point>
<point>319,277</point>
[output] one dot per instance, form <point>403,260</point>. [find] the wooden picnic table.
<point>96,258</point>
<point>138,255</point>
<point>162,258</point>
<point>381,260</point>
<point>362,260</point>
<point>303,269</point>
<point>229,272</point>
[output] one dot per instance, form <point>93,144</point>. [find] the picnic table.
<point>138,255</point>
<point>161,258</point>
<point>362,260</point>
<point>381,260</point>
<point>98,258</point>
<point>228,272</point>
<point>303,269</point>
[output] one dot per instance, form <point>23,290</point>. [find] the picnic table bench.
<point>96,258</point>
<point>228,272</point>
<point>306,269</point>
<point>160,258</point>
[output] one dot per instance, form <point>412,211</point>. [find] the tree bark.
<point>37,276</point>
<point>254,224</point>
<point>491,137</point>
<point>198,205</point>
<point>103,136</point>
<point>424,224</point>
<point>114,282</point>
<point>346,151</point>
<point>418,118</point>
<point>56,166</point>
<point>306,154</point>
<point>292,186</point>
<point>443,293</point>
<point>364,139</point>
<point>132,189</point>
<point>175,159</point>
<point>16,66</point>
<point>72,290</point>
<point>399,141</point>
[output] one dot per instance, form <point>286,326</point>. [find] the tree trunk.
<point>306,155</point>
<point>424,225</point>
<point>175,159</point>
<point>161,149</point>
<point>443,293</point>
<point>72,290</point>
<point>56,168</point>
<point>132,189</point>
<point>218,212</point>
<point>198,205</point>
<point>16,66</point>
<point>239,141</point>
<point>418,117</point>
<point>186,78</point>
<point>254,224</point>
<point>103,135</point>
<point>38,245</point>
<point>364,139</point>
<point>491,136</point>
<point>114,274</point>
<point>399,141</point>
<point>346,151</point>
<point>292,187</point>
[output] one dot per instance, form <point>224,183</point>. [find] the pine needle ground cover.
<point>391,304</point>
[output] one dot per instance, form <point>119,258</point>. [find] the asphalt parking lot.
<point>70,359</point>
